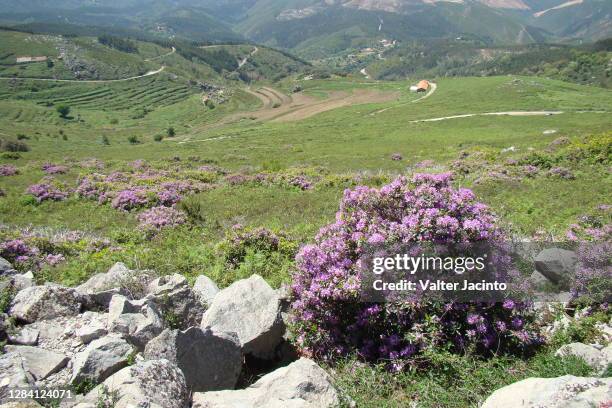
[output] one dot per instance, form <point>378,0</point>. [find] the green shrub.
<point>171,132</point>
<point>63,110</point>
<point>13,146</point>
<point>133,140</point>
<point>158,138</point>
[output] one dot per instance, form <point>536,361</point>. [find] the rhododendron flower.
<point>330,318</point>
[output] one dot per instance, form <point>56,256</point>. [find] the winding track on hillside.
<point>89,81</point>
<point>161,56</point>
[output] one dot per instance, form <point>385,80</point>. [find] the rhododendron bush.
<point>330,318</point>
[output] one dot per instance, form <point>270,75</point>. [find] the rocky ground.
<point>127,338</point>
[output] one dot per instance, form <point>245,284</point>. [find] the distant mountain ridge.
<point>330,25</point>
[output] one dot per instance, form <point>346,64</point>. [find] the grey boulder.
<point>39,362</point>
<point>595,358</point>
<point>27,336</point>
<point>13,374</point>
<point>6,268</point>
<point>150,383</point>
<point>302,384</point>
<point>102,358</point>
<point>45,302</point>
<point>557,265</point>
<point>137,321</point>
<point>210,361</point>
<point>561,392</point>
<point>206,289</point>
<point>175,298</point>
<point>251,309</point>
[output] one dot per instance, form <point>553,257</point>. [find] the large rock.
<point>13,374</point>
<point>101,287</point>
<point>101,358</point>
<point>557,265</point>
<point>594,357</point>
<point>206,289</point>
<point>151,384</point>
<point>105,281</point>
<point>210,361</point>
<point>39,362</point>
<point>137,321</point>
<point>177,301</point>
<point>45,302</point>
<point>27,336</point>
<point>561,392</point>
<point>6,268</point>
<point>302,384</point>
<point>251,309</point>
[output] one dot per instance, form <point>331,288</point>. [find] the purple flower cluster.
<point>18,251</point>
<point>330,319</point>
<point>157,218</point>
<point>46,191</point>
<point>561,172</point>
<point>8,170</point>
<point>301,182</point>
<point>130,199</point>
<point>50,168</point>
<point>593,280</point>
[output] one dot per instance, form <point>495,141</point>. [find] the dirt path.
<point>246,59</point>
<point>161,56</point>
<point>508,113</point>
<point>91,81</point>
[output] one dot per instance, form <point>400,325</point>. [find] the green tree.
<point>171,132</point>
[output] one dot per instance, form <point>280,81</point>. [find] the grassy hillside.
<point>588,64</point>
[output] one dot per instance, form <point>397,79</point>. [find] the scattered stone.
<point>22,281</point>
<point>25,337</point>
<point>118,280</point>
<point>593,356</point>
<point>210,361</point>
<point>21,404</point>
<point>45,302</point>
<point>177,301</point>
<point>556,264</point>
<point>138,321</point>
<point>206,289</point>
<point>151,383</point>
<point>39,362</point>
<point>6,268</point>
<point>302,384</point>
<point>102,358</point>
<point>92,331</point>
<point>561,392</point>
<point>13,374</point>
<point>251,309</point>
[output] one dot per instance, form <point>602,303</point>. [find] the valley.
<point>259,146</point>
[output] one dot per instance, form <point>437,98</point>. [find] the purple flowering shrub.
<point>130,199</point>
<point>33,249</point>
<point>8,170</point>
<point>593,280</point>
<point>46,192</point>
<point>329,318</point>
<point>51,169</point>
<point>156,218</point>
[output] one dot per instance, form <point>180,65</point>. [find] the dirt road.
<point>91,81</point>
<point>161,56</point>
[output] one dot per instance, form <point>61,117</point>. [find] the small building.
<point>422,86</point>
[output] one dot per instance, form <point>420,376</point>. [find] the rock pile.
<point>128,338</point>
